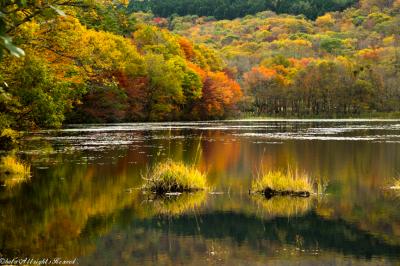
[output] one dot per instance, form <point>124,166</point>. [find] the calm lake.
<point>83,199</point>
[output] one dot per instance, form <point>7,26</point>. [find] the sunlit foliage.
<point>87,73</point>
<point>342,64</point>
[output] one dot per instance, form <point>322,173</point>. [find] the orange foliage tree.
<point>220,96</point>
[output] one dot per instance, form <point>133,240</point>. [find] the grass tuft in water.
<point>10,165</point>
<point>172,176</point>
<point>276,183</point>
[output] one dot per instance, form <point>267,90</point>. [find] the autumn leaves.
<point>98,76</point>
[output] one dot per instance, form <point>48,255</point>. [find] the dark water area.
<point>83,199</point>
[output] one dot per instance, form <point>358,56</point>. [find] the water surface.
<point>82,200</point>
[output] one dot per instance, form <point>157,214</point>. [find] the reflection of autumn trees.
<point>49,214</point>
<point>221,158</point>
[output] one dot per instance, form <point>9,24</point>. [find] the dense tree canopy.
<point>342,64</point>
<point>229,9</point>
<point>80,69</point>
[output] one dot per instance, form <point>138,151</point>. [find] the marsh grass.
<point>291,183</point>
<point>172,176</point>
<point>10,165</point>
<point>283,206</point>
<point>13,171</point>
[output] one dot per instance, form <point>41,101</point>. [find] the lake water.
<point>83,199</point>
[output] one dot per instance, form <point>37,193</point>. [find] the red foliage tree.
<point>137,92</point>
<point>220,95</point>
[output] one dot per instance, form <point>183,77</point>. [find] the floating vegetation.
<point>174,177</point>
<point>283,206</point>
<point>13,171</point>
<point>278,183</point>
<point>10,165</point>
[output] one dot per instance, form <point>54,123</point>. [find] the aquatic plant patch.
<point>278,183</point>
<point>174,177</point>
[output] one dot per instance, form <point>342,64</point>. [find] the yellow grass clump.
<point>174,177</point>
<point>10,165</point>
<point>280,183</point>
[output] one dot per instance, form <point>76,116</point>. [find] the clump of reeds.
<point>172,176</point>
<point>10,165</point>
<point>275,183</point>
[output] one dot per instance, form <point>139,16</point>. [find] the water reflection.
<point>283,206</point>
<point>82,198</point>
<point>173,205</point>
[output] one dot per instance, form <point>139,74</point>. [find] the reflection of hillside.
<point>192,238</point>
<point>148,236</point>
<point>368,216</point>
<point>174,249</point>
<point>335,235</point>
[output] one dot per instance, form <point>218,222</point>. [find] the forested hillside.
<point>228,9</point>
<point>342,64</point>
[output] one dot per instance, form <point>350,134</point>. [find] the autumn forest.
<point>78,61</point>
